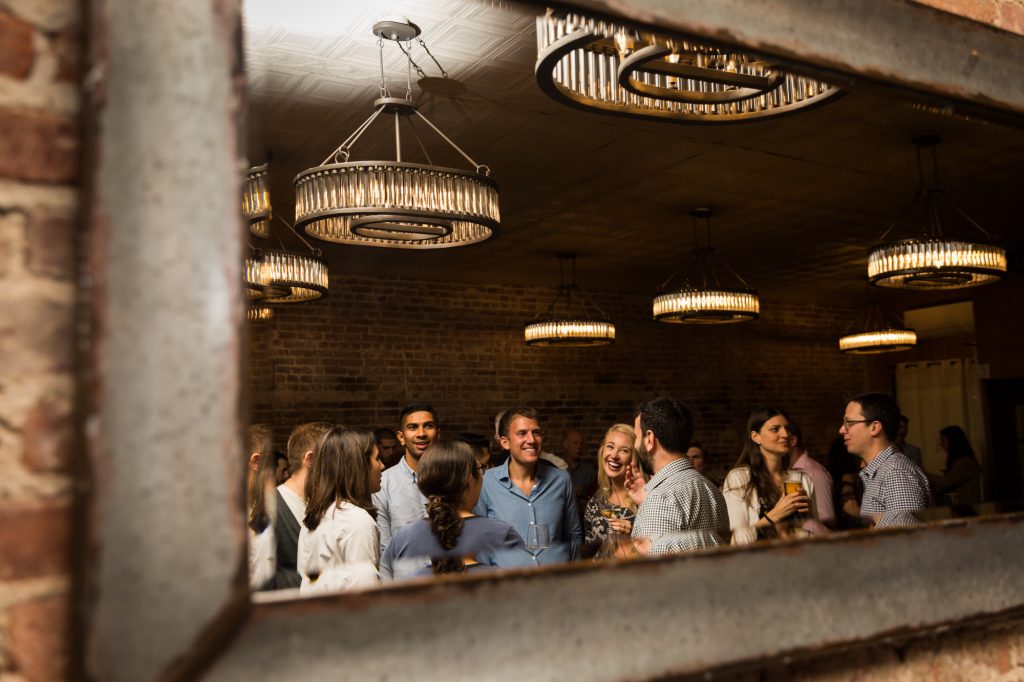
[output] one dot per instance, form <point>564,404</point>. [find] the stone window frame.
<point>161,588</point>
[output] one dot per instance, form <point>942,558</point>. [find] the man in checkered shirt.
<point>678,509</point>
<point>894,486</point>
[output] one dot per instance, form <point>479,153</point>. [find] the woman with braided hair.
<point>451,539</point>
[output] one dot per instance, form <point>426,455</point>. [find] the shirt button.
<point>530,503</point>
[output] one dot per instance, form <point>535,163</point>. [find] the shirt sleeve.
<point>262,557</point>
<point>735,502</point>
<point>386,560</point>
<point>571,521</point>
<point>382,503</point>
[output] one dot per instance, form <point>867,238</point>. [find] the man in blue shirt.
<point>535,497</point>
<point>399,501</point>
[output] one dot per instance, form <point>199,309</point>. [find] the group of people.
<point>357,509</point>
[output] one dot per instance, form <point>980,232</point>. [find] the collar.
<point>671,469</point>
<point>406,470</point>
<point>871,470</point>
<point>505,477</point>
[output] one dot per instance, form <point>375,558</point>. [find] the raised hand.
<point>635,485</point>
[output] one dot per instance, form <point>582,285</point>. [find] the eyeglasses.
<point>847,423</point>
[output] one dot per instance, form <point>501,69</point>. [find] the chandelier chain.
<point>444,74</point>
<point>382,85</point>
<point>412,64</point>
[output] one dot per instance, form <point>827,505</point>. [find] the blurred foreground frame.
<point>160,585</point>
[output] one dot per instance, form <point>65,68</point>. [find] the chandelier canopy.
<point>879,336</point>
<point>566,322</point>
<point>396,204</point>
<point>702,297</point>
<point>256,201</point>
<point>617,69</point>
<point>930,260</point>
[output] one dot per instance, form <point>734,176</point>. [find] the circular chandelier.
<point>609,67</point>
<point>930,260</point>
<point>259,313</point>
<point>564,323</point>
<point>396,204</point>
<point>702,298</point>
<point>878,341</point>
<point>256,201</point>
<point>297,277</point>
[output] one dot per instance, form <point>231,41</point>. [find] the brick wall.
<point>1005,14</point>
<point>371,346</point>
<point>39,48</point>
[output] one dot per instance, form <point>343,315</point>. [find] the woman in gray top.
<point>451,539</point>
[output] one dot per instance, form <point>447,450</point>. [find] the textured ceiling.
<point>796,200</point>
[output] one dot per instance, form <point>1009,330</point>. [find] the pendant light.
<point>703,297</point>
<point>256,201</point>
<point>612,68</point>
<point>567,322</point>
<point>930,258</point>
<point>878,335</point>
<point>396,204</point>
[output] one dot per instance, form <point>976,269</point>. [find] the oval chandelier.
<point>878,335</point>
<point>930,260</point>
<point>605,66</point>
<point>702,298</point>
<point>256,201</point>
<point>565,323</point>
<point>396,204</point>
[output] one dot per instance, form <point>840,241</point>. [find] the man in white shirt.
<point>822,480</point>
<point>291,501</point>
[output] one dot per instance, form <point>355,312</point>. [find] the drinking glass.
<point>537,536</point>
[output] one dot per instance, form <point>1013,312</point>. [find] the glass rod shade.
<point>255,280</point>
<point>934,263</point>
<point>602,66</point>
<point>878,341</point>
<point>299,277</point>
<point>569,333</point>
<point>707,306</point>
<point>256,201</point>
<point>396,205</point>
<point>259,313</point>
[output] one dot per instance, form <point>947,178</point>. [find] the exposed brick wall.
<point>1005,14</point>
<point>39,53</point>
<point>359,355</point>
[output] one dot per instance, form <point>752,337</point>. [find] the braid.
<point>445,522</point>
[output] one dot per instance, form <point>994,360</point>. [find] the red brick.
<point>978,10</point>
<point>16,51</point>
<point>67,46</point>
<point>51,245</point>
<point>47,437</point>
<point>38,146</point>
<point>1011,17</point>
<point>38,636</point>
<point>34,539</point>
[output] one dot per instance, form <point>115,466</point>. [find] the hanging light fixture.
<point>879,336</point>
<point>565,323</point>
<point>930,259</point>
<point>396,204</point>
<point>703,298</point>
<point>612,68</point>
<point>280,275</point>
<point>259,313</point>
<point>256,201</point>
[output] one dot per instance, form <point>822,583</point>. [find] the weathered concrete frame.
<point>162,585</point>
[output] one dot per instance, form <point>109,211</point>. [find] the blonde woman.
<point>608,517</point>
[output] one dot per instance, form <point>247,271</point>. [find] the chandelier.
<point>930,260</point>
<point>601,65</point>
<point>280,275</point>
<point>878,336</point>
<point>256,201</point>
<point>259,313</point>
<point>566,324</point>
<point>703,298</point>
<point>396,204</point>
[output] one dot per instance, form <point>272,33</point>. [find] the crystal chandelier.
<point>396,204</point>
<point>601,65</point>
<point>259,313</point>
<point>566,324</point>
<point>931,260</point>
<point>280,275</point>
<point>256,201</point>
<point>878,336</point>
<point>703,298</point>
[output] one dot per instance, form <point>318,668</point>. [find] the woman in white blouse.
<point>759,502</point>
<point>339,544</point>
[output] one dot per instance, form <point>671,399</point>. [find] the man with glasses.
<point>894,487</point>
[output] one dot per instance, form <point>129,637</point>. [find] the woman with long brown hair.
<point>339,541</point>
<point>451,539</point>
<point>260,470</point>
<point>608,516</point>
<point>764,496</point>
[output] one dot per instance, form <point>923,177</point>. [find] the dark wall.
<point>371,346</point>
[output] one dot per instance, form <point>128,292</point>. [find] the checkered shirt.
<point>893,487</point>
<point>683,511</point>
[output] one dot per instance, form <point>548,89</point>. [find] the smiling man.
<point>894,487</point>
<point>399,502</point>
<point>531,494</point>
